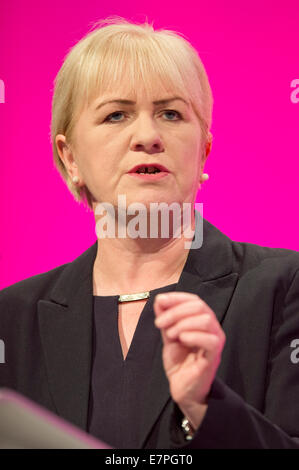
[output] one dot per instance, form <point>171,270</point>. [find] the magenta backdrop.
<point>251,56</point>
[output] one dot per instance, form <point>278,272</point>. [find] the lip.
<point>162,168</point>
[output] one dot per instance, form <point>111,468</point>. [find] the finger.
<point>171,316</point>
<point>204,322</point>
<point>166,340</point>
<point>212,344</point>
<point>170,299</point>
<point>159,308</point>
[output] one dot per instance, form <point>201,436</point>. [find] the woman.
<point>200,355</point>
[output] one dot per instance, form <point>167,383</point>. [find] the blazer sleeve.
<point>232,423</point>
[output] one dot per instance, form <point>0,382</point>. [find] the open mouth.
<point>147,170</point>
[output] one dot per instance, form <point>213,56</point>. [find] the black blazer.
<point>46,324</point>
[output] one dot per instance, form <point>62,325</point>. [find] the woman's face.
<point>111,139</point>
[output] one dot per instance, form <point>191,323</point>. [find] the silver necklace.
<point>131,297</point>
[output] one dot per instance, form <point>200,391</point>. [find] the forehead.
<point>140,93</point>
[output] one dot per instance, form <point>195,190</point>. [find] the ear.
<point>207,148</point>
<point>208,145</point>
<point>205,154</point>
<point>67,157</point>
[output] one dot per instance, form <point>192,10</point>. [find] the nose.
<point>146,138</point>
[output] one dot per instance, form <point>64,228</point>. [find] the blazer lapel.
<point>207,273</point>
<point>65,322</point>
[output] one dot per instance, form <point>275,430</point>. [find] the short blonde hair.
<point>118,49</point>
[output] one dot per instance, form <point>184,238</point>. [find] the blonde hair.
<point>105,57</point>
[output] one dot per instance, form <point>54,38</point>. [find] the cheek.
<point>100,167</point>
<point>191,158</point>
<point>191,168</point>
<point>90,154</point>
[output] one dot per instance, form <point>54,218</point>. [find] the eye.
<point>169,111</point>
<point>111,115</point>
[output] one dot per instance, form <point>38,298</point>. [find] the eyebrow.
<point>129,102</point>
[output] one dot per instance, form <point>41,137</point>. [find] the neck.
<point>127,265</point>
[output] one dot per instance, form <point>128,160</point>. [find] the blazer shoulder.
<point>274,261</point>
<point>23,296</point>
<point>32,288</point>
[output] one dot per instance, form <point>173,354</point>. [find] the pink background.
<point>251,56</point>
